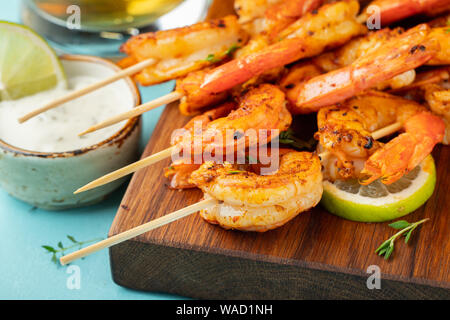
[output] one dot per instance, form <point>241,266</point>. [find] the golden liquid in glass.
<point>108,15</point>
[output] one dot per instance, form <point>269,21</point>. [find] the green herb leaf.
<point>49,248</point>
<point>384,245</point>
<point>235,171</point>
<point>389,251</point>
<point>56,253</point>
<point>408,235</point>
<point>288,137</point>
<point>211,58</point>
<point>400,224</point>
<point>232,49</point>
<point>72,239</point>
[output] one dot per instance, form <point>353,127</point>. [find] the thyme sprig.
<point>211,58</point>
<point>406,229</point>
<point>288,137</point>
<point>235,171</point>
<point>60,250</point>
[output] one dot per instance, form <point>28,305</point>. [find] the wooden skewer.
<point>168,98</point>
<point>375,135</point>
<point>128,169</point>
<point>75,94</point>
<point>137,230</point>
<point>378,134</point>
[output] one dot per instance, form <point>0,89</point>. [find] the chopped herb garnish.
<point>211,58</point>
<point>235,171</point>
<point>288,137</point>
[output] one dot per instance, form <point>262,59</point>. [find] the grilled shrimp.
<point>437,97</point>
<point>432,88</point>
<point>401,53</point>
<point>252,202</point>
<point>180,51</point>
<point>332,25</point>
<point>262,107</point>
<point>179,172</point>
<point>403,153</point>
<point>345,132</point>
<point>357,48</point>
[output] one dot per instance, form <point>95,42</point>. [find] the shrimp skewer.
<point>299,176</point>
<point>252,202</point>
<point>345,131</point>
<point>263,107</point>
<point>297,43</point>
<point>402,154</point>
<point>197,97</point>
<point>432,88</point>
<point>179,51</point>
<point>398,55</point>
<point>164,55</point>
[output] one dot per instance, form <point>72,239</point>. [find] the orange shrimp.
<point>403,153</point>
<point>345,130</point>
<point>404,52</point>
<point>333,25</point>
<point>432,88</point>
<point>179,172</point>
<point>262,107</point>
<point>179,51</point>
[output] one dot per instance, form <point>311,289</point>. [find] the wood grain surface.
<point>315,256</point>
<point>205,261</point>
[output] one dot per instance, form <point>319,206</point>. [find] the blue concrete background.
<point>26,271</point>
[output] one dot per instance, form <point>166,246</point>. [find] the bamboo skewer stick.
<point>121,237</point>
<point>168,98</point>
<point>380,133</point>
<point>128,169</point>
<point>75,94</point>
<point>383,132</point>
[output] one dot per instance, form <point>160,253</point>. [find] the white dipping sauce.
<point>57,130</point>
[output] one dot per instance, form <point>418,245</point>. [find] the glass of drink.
<point>99,27</point>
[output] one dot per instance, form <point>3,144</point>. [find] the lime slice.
<point>27,63</point>
<point>378,202</point>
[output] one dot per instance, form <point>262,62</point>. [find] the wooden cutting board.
<point>315,256</point>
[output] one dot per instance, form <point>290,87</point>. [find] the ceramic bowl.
<point>48,180</point>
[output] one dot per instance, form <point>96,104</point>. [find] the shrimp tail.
<point>402,154</point>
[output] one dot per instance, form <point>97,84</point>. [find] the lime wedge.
<point>27,63</point>
<point>378,202</point>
